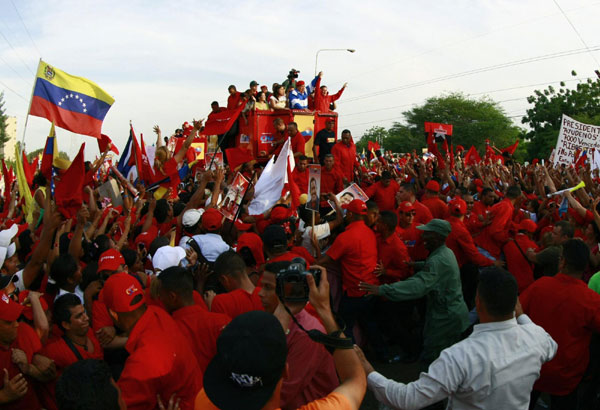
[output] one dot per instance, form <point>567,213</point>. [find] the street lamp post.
<point>350,50</point>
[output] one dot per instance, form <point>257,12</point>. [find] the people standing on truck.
<point>299,96</point>
<point>323,100</point>
<point>324,140</point>
<point>235,98</point>
<point>278,100</point>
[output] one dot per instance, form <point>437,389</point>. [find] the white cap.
<point>7,247</point>
<point>167,256</point>
<point>191,217</point>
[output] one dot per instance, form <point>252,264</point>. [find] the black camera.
<point>291,282</point>
<point>293,74</point>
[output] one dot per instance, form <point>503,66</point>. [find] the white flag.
<point>267,190</point>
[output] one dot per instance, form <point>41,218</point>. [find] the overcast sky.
<point>164,62</point>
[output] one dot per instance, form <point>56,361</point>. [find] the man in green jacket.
<point>439,280</point>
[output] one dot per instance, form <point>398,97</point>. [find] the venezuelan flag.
<point>73,103</point>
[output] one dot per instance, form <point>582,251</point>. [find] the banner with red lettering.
<point>575,135</point>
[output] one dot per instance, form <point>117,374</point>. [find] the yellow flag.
<point>24,191</point>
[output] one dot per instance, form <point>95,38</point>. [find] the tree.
<point>473,120</point>
<point>545,117</point>
<point>3,118</point>
<point>375,134</point>
<point>33,154</point>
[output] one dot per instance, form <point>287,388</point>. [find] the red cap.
<point>478,182</point>
<point>241,226</point>
<point>110,260</point>
<point>212,219</point>
<point>458,206</point>
<point>406,206</point>
<point>527,225</point>
<point>119,291</point>
<point>433,186</point>
<point>253,242</point>
<point>27,310</point>
<point>147,237</point>
<point>356,206</point>
<point>299,83</point>
<point>279,214</point>
<point>9,309</point>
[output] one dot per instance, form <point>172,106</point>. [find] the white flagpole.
<point>29,107</point>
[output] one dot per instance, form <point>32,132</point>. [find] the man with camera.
<point>251,362</point>
<point>311,371</point>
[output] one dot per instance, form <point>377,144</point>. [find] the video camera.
<point>291,282</point>
<point>293,74</point>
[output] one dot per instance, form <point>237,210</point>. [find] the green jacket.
<point>447,314</point>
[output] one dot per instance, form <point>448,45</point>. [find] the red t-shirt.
<point>516,261</point>
<point>331,181</point>
<point>384,197</point>
<point>297,144</point>
<point>570,312</point>
<point>29,342</point>
<point>201,328</point>
<point>236,302</point>
<point>345,158</point>
<point>461,243</point>
<point>158,363</point>
<point>356,250</point>
<point>392,252</point>
<point>496,234</point>
<point>423,214</point>
<point>411,237</point>
<point>63,356</point>
<point>301,179</point>
<point>437,207</point>
<point>234,100</point>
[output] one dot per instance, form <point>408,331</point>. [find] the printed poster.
<point>314,187</point>
<point>230,203</point>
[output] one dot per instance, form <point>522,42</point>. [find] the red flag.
<point>103,142</point>
<point>146,173</point>
<point>293,187</point>
<point>432,147</point>
<point>68,193</point>
<point>28,169</point>
<point>511,149</point>
<point>7,182</point>
<point>373,146</point>
<point>238,156</point>
<point>221,122</point>
<point>472,156</point>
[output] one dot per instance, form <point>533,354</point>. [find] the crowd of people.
<point>477,272</point>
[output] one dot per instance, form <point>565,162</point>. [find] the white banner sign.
<point>575,135</point>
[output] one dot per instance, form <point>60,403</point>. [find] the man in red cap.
<point>407,231</point>
<point>157,364</point>
<point>432,200</point>
<point>515,251</point>
<point>19,351</point>
<point>406,193</point>
<point>356,251</point>
<point>479,217</point>
<point>467,256</point>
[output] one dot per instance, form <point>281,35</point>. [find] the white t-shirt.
<point>321,230</point>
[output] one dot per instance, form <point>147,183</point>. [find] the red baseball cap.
<point>9,309</point>
<point>212,219</point>
<point>279,214</point>
<point>146,238</point>
<point>356,206</point>
<point>433,186</point>
<point>406,206</point>
<point>110,260</point>
<point>253,242</point>
<point>119,291</point>
<point>527,225</point>
<point>241,226</point>
<point>458,206</point>
<point>299,83</point>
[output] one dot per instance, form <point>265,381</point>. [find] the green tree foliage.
<point>544,117</point>
<point>473,120</point>
<point>31,155</point>
<point>3,117</point>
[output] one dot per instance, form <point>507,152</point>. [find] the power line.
<point>26,30</point>
<point>13,91</point>
<point>16,53</point>
<point>576,32</point>
<point>473,71</point>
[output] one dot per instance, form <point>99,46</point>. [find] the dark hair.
<point>62,308</point>
<point>39,179</point>
<point>486,191</point>
<point>346,131</point>
<point>63,268</point>
<point>214,103</point>
<point>130,256</point>
<point>178,208</point>
<point>407,186</point>
<point>63,243</point>
<point>101,244</point>
<point>162,210</point>
<point>177,279</point>
<point>158,243</point>
<point>497,290</point>
<point>566,228</point>
<point>25,245</point>
<point>513,191</point>
<point>293,123</point>
<point>329,156</point>
<point>247,256</point>
<point>87,385</point>
<point>302,158</point>
<point>576,254</point>
<point>229,263</point>
<point>276,267</point>
<point>372,205</point>
<point>389,219</point>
